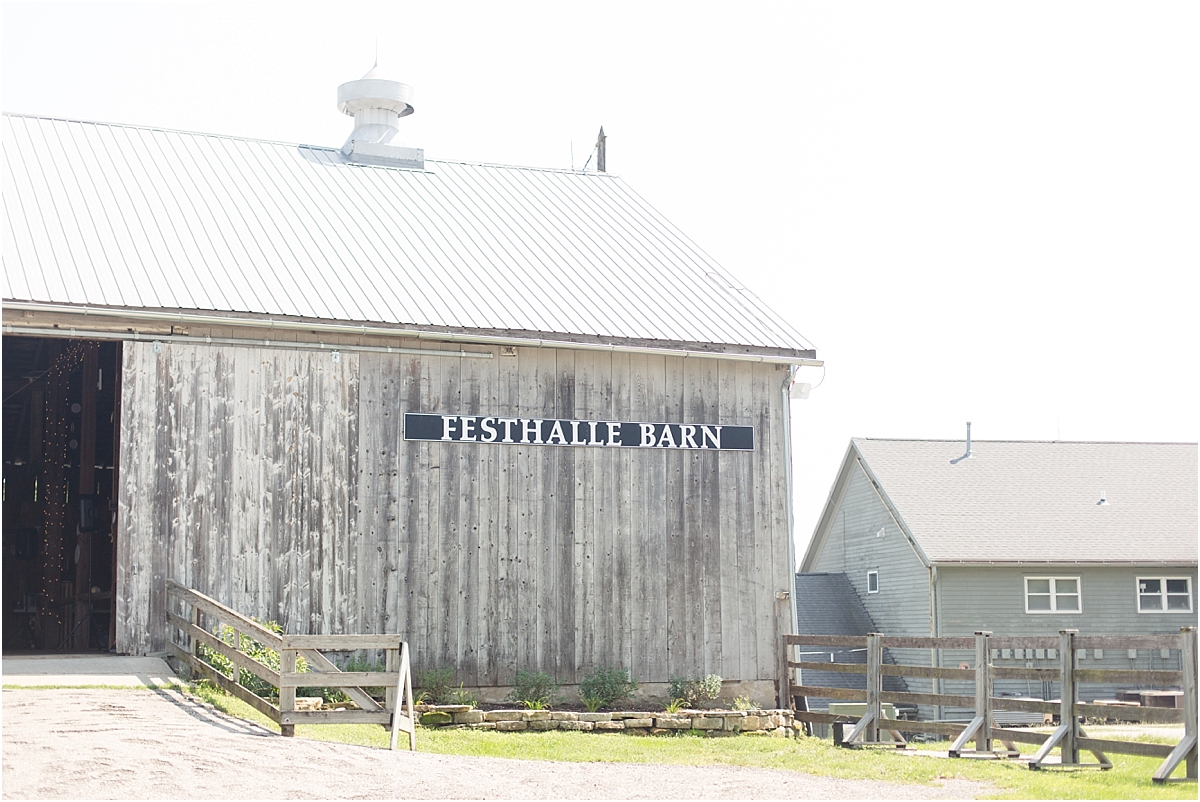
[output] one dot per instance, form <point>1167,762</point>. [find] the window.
<point>1164,594</point>
<point>872,581</point>
<point>1052,594</point>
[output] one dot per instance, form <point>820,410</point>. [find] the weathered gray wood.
<point>1036,674</point>
<point>983,690</point>
<point>1069,692</point>
<point>1181,753</point>
<point>222,613</point>
<point>928,699</point>
<point>343,643</point>
<point>357,695</point>
<point>287,689</point>
<point>829,693</point>
<point>937,727</point>
<point>927,672</point>
<point>837,668</point>
<point>874,686</point>
<point>238,658</point>
<point>895,642</point>
<point>854,641</point>
<point>1024,705</point>
<point>1019,736</point>
<point>1025,642</point>
<point>334,717</point>
<point>1125,747</point>
<point>1127,676</point>
<point>229,686</point>
<point>340,679</point>
<point>1127,642</point>
<point>283,488</point>
<point>1149,715</point>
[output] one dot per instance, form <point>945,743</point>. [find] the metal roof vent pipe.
<point>377,103</point>
<point>967,455</point>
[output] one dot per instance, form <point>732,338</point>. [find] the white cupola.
<point>377,103</point>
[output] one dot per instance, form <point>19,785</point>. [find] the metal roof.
<point>144,218</point>
<point>1022,501</point>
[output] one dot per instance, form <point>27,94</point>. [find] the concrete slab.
<point>85,670</point>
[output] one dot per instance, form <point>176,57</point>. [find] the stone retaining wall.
<point>710,722</point>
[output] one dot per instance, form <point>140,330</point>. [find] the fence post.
<point>983,690</point>
<point>1067,716</point>
<point>874,686</point>
<point>391,665</point>
<point>287,696</point>
<point>1187,662</point>
<point>195,650</point>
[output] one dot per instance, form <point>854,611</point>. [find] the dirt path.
<point>96,744</point>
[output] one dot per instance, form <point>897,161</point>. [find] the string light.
<point>54,450</point>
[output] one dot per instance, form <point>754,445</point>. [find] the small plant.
<point>534,690</point>
<point>255,650</point>
<point>744,703</point>
<point>606,687</point>
<point>673,706</point>
<point>693,690</point>
<point>461,696</point>
<point>437,684</point>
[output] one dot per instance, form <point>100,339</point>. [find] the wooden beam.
<point>829,693</point>
<point>854,641</point>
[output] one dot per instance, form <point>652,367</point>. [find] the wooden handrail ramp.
<point>202,625</point>
<point>1068,738</point>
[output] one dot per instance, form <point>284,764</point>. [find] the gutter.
<point>189,319</point>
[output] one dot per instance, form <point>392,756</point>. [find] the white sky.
<point>977,211</point>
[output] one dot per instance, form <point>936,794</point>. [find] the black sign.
<point>558,432</point>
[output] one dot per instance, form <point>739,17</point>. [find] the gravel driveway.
<point>139,744</point>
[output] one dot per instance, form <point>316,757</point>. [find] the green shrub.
<point>436,684</point>
<point>534,690</point>
<point>744,703</point>
<point>606,687</point>
<point>251,648</point>
<point>461,696</point>
<point>694,690</point>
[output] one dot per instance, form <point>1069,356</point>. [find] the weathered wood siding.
<point>279,482</point>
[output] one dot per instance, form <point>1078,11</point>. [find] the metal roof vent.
<point>377,103</point>
<point>967,455</point>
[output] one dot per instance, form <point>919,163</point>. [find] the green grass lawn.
<point>1128,779</point>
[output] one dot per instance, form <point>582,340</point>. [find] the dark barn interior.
<point>61,442</point>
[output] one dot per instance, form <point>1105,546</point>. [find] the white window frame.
<point>875,574</point>
<point>1137,589</point>
<point>1054,594</point>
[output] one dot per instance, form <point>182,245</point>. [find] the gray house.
<point>1019,538</point>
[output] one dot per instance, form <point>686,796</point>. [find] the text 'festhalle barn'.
<point>513,414</point>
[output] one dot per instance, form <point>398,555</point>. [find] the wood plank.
<point>928,699</point>
<point>837,668</point>
<point>562,554</point>
<point>339,679</point>
<point>621,588</point>
<point>936,727</point>
<point>858,641</point>
<point>1127,642</point>
<point>341,643</point>
<point>894,642</point>
<point>508,495</point>
<point>679,662</point>
<point>357,695</point>
<point>584,499</point>
<point>1024,705</point>
<point>1129,677</point>
<point>335,717</point>
<point>828,693</point>
<point>229,686</point>
<point>214,608</point>
<point>238,658</point>
<point>1146,715</point>
<point>1019,736</point>
<point>822,718</point>
<point>1125,747</point>
<point>743,510</point>
<point>927,672</point>
<point>1036,674</point>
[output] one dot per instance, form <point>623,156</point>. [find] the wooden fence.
<point>1069,738</point>
<point>197,620</point>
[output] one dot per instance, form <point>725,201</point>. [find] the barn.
<point>511,413</point>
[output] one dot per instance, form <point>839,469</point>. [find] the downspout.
<point>934,628</point>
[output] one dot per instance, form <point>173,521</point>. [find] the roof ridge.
<point>330,148</point>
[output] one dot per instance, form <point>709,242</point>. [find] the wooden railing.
<point>982,729</point>
<point>196,621</point>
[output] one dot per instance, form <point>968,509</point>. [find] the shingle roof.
<point>124,216</point>
<point>826,604</point>
<point>1038,501</point>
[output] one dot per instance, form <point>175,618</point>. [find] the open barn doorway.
<point>61,447</point>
